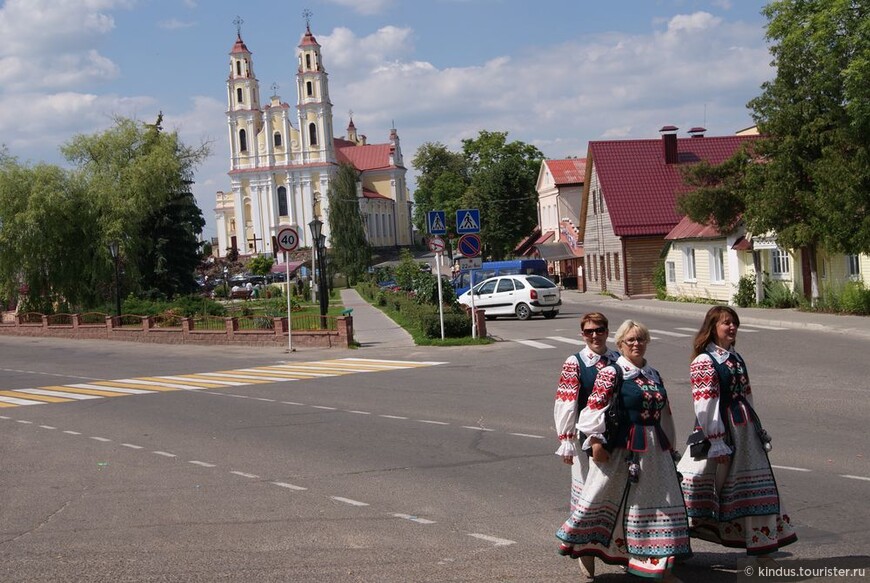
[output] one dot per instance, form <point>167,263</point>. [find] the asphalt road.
<point>368,470</point>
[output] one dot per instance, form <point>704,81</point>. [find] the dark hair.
<point>595,318</point>
<point>707,333</point>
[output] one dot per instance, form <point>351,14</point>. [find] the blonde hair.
<point>627,327</point>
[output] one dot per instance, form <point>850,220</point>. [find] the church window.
<point>308,62</point>
<point>277,139</point>
<point>282,201</point>
<point>239,95</point>
<point>309,88</point>
<point>312,134</point>
<point>239,68</point>
<point>243,141</point>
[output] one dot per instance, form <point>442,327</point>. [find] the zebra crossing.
<point>655,334</point>
<point>151,385</point>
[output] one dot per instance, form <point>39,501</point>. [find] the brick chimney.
<point>669,143</point>
<point>697,132</point>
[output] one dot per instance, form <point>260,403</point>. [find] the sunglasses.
<point>591,331</point>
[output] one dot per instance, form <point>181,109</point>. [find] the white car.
<point>519,295</point>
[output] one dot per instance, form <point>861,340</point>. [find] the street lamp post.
<point>115,251</point>
<point>319,243</point>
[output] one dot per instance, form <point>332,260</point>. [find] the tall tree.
<point>350,251</point>
<point>813,187</point>
<point>139,177</point>
<point>503,176</point>
<point>441,184</point>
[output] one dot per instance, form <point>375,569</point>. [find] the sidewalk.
<point>858,326</point>
<point>371,328</point>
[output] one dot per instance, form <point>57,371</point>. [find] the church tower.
<point>314,107</point>
<point>243,100</point>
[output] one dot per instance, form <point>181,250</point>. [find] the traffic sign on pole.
<point>288,239</point>
<point>436,221</point>
<point>436,244</point>
<point>467,221</point>
<point>469,245</point>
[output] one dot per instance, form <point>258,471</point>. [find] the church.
<point>282,162</point>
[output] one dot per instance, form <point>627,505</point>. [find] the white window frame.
<point>689,273</point>
<point>671,271</point>
<point>853,267</point>
<point>780,264</point>
<point>717,265</point>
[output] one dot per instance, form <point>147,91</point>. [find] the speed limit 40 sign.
<point>288,239</point>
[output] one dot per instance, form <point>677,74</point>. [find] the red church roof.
<point>640,189</point>
<point>570,171</point>
<point>239,47</point>
<point>368,157</point>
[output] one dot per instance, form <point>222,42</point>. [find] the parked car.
<point>519,295</point>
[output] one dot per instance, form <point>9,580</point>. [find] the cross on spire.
<point>238,22</point>
<point>307,14</point>
<point>274,87</point>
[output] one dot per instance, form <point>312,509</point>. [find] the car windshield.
<point>539,282</point>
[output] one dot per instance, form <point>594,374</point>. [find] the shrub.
<point>190,306</point>
<point>778,295</point>
<point>143,306</point>
<point>745,295</point>
<point>855,298</point>
<point>659,280</point>
<point>455,325</point>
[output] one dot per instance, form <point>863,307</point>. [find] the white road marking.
<point>324,408</point>
<point>534,344</point>
<point>392,416</point>
<point>790,468</point>
<point>16,401</point>
<point>131,446</point>
<point>203,464</point>
<point>527,435</point>
<point>433,422</point>
<point>244,475</point>
<point>855,477</point>
<point>24,422</point>
<point>348,501</point>
<point>477,428</point>
<point>292,403</point>
<point>288,486</point>
<point>112,389</point>
<point>95,438</point>
<point>566,340</point>
<point>47,427</point>
<point>164,453</point>
<point>160,384</point>
<point>72,432</point>
<point>210,381</point>
<point>5,417</point>
<point>265,399</point>
<point>499,542</point>
<point>416,519</point>
<point>666,333</point>
<point>63,394</point>
<point>359,412</point>
<point>761,327</point>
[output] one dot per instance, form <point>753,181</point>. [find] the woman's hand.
<point>599,454</point>
<point>568,459</point>
<point>722,459</point>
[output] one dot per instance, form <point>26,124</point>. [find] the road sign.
<point>288,239</point>
<point>467,221</point>
<point>436,221</point>
<point>470,262</point>
<point>436,244</point>
<point>469,245</point>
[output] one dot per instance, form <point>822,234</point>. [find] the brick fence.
<point>270,331</point>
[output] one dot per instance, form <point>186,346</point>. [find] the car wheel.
<point>523,312</point>
<point>550,315</point>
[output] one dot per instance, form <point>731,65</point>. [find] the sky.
<point>555,74</point>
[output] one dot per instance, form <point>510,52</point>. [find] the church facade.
<point>283,161</point>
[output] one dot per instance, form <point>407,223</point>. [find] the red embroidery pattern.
<point>569,383</point>
<point>602,389</point>
<point>705,381</point>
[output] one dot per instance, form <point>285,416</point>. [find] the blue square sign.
<point>467,221</point>
<point>436,222</point>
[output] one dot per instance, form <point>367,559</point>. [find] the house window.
<point>312,134</point>
<point>277,139</point>
<point>243,141</point>
<point>671,270</point>
<point>853,267</point>
<point>689,264</point>
<point>616,268</point>
<point>780,267</point>
<point>282,201</point>
<point>239,95</point>
<point>717,264</point>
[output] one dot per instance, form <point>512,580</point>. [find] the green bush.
<point>455,325</point>
<point>855,299</point>
<point>143,306</point>
<point>778,295</point>
<point>406,270</point>
<point>659,280</point>
<point>745,295</point>
<point>190,306</point>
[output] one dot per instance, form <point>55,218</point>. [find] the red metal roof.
<point>689,229</point>
<point>368,193</point>
<point>308,39</point>
<point>368,157</point>
<point>570,171</point>
<point>239,47</point>
<point>640,189</point>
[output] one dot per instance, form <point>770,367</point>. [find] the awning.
<point>555,251</point>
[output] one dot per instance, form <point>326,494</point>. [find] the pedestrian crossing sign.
<point>467,221</point>
<point>437,222</point>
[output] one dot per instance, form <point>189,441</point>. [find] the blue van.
<point>469,277</point>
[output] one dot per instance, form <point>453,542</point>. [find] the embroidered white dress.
<point>640,524</point>
<point>736,504</point>
<point>575,385</point>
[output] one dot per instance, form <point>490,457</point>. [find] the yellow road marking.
<point>83,391</point>
<point>139,386</point>
<point>33,397</point>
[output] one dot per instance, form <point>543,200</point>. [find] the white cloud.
<point>175,24</point>
<point>364,6</point>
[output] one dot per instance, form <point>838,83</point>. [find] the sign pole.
<point>438,257</point>
<point>289,321</point>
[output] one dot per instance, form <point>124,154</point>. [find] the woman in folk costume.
<point>575,385</point>
<point>630,510</point>
<point>731,494</point>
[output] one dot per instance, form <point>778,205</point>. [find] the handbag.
<point>614,415</point>
<point>698,444</point>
